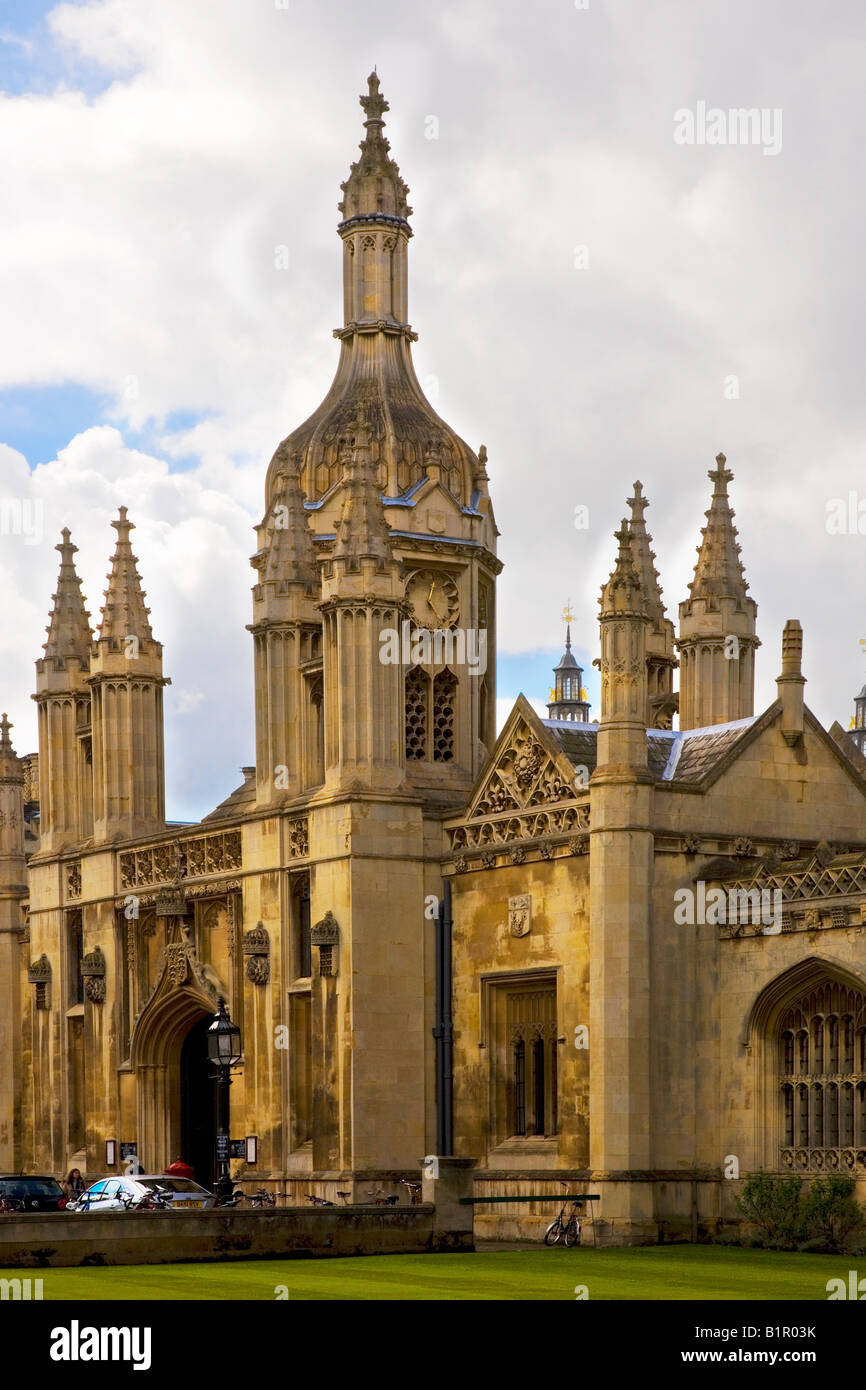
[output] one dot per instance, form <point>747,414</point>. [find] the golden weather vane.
<point>567,613</point>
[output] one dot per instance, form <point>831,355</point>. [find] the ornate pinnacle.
<point>69,633</point>
<point>721,476</point>
<point>638,503</point>
<point>624,575</point>
<point>374,184</point>
<point>5,740</point>
<point>124,614</point>
<point>374,103</point>
<point>719,571</point>
<point>643,556</point>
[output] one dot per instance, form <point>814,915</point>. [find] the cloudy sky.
<point>596,301</point>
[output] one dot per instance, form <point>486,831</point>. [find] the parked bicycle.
<point>413,1190</point>
<point>377,1197</point>
<point>565,1228</point>
<point>318,1201</point>
<point>261,1198</point>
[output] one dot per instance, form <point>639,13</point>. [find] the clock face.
<point>434,599</point>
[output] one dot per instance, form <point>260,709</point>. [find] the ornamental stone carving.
<point>93,970</point>
<point>299,838</point>
<point>325,935</point>
<point>257,949</point>
<point>326,932</point>
<point>189,857</point>
<point>39,971</point>
<point>73,880</point>
<point>520,914</point>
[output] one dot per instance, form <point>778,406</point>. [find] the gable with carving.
<point>526,793</point>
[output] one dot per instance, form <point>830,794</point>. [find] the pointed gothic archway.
<point>157,1054</point>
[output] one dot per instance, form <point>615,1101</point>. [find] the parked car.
<point>26,1192</point>
<point>146,1191</point>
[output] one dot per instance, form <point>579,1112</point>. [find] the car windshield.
<point>170,1184</point>
<point>30,1187</point>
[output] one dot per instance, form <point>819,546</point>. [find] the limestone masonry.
<point>599,1035</point>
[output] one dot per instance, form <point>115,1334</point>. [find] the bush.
<point>773,1206</point>
<point>831,1212</point>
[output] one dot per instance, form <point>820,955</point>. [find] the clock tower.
<point>375,675</point>
<point>434,522</point>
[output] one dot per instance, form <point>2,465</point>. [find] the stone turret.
<point>287,630</point>
<point>63,702</point>
<point>620,880</point>
<point>362,597</point>
<point>13,890</point>
<point>661,657</point>
<point>126,681</point>
<point>717,639</point>
<point>624,622</point>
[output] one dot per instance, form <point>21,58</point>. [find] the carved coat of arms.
<point>519,914</point>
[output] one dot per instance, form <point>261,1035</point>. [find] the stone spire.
<point>623,594</point>
<point>124,614</point>
<point>374,185</point>
<point>69,634</point>
<point>375,366</point>
<point>290,556</point>
<point>717,638</point>
<point>362,531</point>
<point>661,659</point>
<point>10,765</point>
<point>643,557</point>
<point>126,684</point>
<point>719,571</point>
<point>63,702</point>
<point>624,621</point>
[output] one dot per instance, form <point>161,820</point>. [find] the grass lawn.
<point>649,1272</point>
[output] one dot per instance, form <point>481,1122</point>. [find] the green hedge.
<point>823,1217</point>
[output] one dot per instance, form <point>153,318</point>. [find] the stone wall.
<point>142,1238</point>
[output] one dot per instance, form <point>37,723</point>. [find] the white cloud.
<point>193,542</point>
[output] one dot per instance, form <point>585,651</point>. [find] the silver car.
<point>145,1192</point>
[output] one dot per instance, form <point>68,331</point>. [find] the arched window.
<point>444,700</point>
<point>822,1080</point>
<point>417,699</point>
<point>317,711</point>
<point>75,947</point>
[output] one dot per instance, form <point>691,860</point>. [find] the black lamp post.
<point>224,1051</point>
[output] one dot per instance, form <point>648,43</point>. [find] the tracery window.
<point>430,716</point>
<point>822,1064</point>
<point>531,1023</point>
<point>444,696</point>
<point>417,698</point>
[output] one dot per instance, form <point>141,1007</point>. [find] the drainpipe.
<point>444,1031</point>
<point>447,1026</point>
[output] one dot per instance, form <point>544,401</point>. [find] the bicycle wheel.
<point>572,1233</point>
<point>553,1233</point>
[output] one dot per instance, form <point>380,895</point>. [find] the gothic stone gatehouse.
<point>599,1033</point>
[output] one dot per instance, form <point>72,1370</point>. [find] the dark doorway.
<point>198,1104</point>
